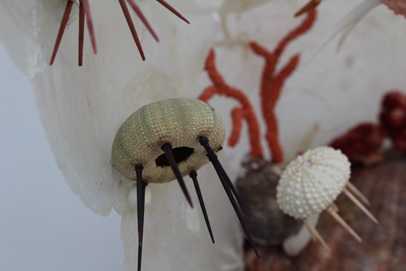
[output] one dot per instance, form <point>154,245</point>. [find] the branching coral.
<point>272,83</point>
<point>238,113</point>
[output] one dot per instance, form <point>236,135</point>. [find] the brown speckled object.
<point>384,245</point>
<point>270,226</point>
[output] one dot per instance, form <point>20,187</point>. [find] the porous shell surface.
<point>312,181</point>
<point>179,121</point>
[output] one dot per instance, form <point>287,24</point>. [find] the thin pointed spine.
<point>174,11</point>
<point>193,175</point>
<point>358,193</point>
<point>354,15</point>
<point>314,233</point>
<point>222,173</point>
<point>343,223</point>
<point>314,237</point>
<point>238,212</point>
<point>90,25</point>
<point>213,159</point>
<point>167,148</point>
<point>140,210</point>
<point>143,19</point>
<point>359,204</point>
<point>81,31</point>
<point>309,6</point>
<point>64,22</point>
<point>132,27</point>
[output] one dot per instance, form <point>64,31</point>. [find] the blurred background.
<point>43,226</point>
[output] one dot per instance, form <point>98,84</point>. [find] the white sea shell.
<point>312,181</point>
<point>179,121</point>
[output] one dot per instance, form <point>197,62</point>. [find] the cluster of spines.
<point>225,181</point>
<point>84,11</point>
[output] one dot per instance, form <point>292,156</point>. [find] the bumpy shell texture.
<point>312,181</point>
<point>179,121</point>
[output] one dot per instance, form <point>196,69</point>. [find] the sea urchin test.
<point>311,183</point>
<point>167,140</point>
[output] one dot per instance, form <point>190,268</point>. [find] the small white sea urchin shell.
<point>312,181</point>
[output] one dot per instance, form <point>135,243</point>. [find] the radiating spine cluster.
<point>84,11</point>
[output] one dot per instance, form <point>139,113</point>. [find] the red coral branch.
<point>393,118</point>
<point>244,112</point>
<point>272,82</point>
<point>237,115</point>
<point>362,143</point>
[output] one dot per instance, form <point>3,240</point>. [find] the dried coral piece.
<point>362,143</point>
<point>312,4</point>
<point>272,81</point>
<point>271,85</point>
<point>393,118</point>
<point>239,113</point>
<point>397,6</point>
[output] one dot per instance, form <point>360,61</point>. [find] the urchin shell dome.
<point>181,122</point>
<point>312,181</point>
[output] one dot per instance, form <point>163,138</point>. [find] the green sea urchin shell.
<point>179,121</point>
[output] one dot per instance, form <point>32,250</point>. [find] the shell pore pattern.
<point>312,181</point>
<point>181,122</point>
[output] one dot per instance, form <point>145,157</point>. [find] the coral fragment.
<point>273,81</point>
<point>246,111</point>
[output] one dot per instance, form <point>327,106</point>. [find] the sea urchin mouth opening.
<point>180,154</point>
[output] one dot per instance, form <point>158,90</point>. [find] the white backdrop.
<point>43,226</point>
